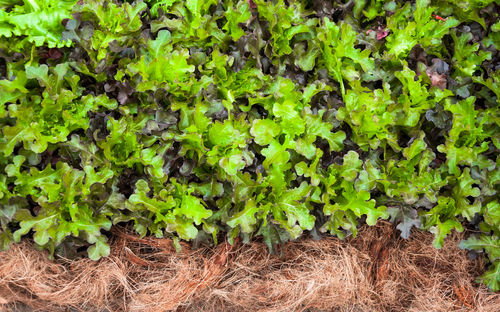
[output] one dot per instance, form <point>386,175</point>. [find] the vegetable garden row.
<point>211,120</point>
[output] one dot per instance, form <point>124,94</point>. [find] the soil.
<point>377,271</point>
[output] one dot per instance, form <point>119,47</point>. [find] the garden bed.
<point>201,155</point>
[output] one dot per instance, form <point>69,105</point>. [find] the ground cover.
<point>221,121</point>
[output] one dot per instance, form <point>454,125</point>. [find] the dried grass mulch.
<point>377,271</point>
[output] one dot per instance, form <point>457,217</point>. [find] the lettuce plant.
<point>213,120</point>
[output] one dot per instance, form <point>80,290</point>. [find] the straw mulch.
<point>377,271</point>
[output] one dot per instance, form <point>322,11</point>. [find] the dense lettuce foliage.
<point>209,120</point>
